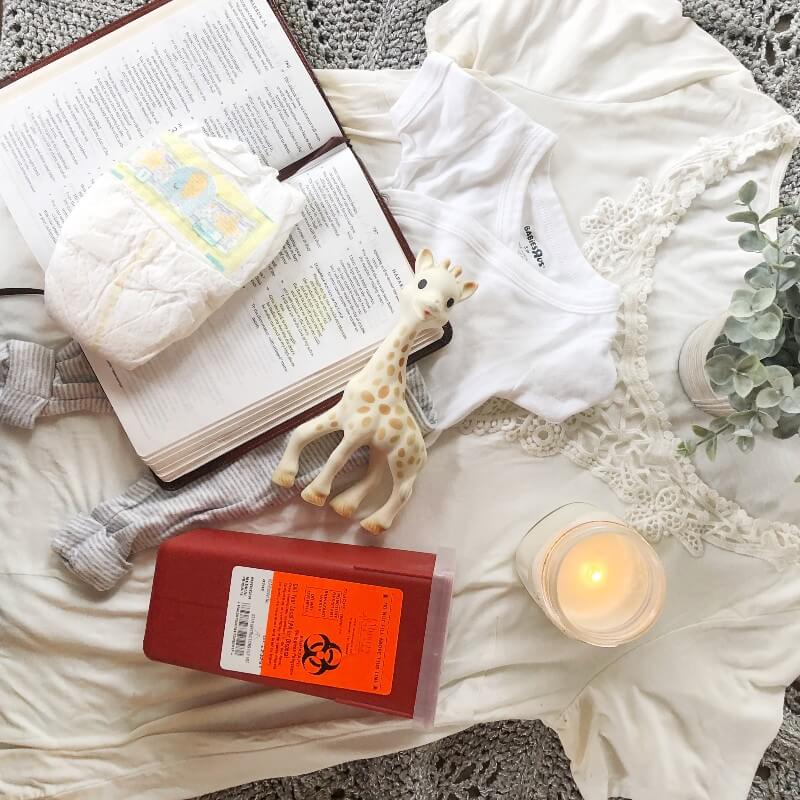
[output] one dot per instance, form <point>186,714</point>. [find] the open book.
<point>283,347</point>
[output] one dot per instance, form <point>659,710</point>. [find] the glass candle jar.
<point>596,578</point>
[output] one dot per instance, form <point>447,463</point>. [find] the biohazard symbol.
<point>320,654</point>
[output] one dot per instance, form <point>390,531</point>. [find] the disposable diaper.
<point>163,239</point>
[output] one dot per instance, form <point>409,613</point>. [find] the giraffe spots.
<point>376,382</point>
<point>395,423</point>
<point>412,461</point>
<point>383,408</point>
<point>319,427</point>
<point>404,349</point>
<point>400,474</point>
<point>383,391</point>
<point>382,433</point>
<point>368,397</point>
<point>403,361</point>
<point>390,370</point>
<point>402,452</point>
<point>334,424</point>
<point>366,422</point>
<point>394,440</point>
<point>363,410</point>
<point>399,463</point>
<point>390,356</point>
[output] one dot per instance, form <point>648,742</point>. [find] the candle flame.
<point>593,574</point>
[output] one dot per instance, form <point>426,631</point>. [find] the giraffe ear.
<point>467,290</point>
<point>424,260</point>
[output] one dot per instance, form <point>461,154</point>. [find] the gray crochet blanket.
<point>519,760</point>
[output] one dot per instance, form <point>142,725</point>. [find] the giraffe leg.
<point>347,502</point>
<point>302,435</point>
<point>318,490</point>
<point>401,492</point>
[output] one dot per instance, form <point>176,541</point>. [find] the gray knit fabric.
<point>37,381</point>
<point>97,547</point>
<point>517,760</point>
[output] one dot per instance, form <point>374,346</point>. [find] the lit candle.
<point>595,578</point>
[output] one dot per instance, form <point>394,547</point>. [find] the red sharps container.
<point>360,625</point>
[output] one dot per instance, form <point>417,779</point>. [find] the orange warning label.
<point>332,633</point>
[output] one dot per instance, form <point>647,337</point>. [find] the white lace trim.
<point>627,441</point>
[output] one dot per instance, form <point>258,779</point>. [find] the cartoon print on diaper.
<point>175,179</point>
<point>192,192</point>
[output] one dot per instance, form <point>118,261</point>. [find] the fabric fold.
<point>37,381</point>
<point>97,546</point>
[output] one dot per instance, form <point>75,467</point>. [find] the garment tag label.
<point>314,630</point>
<point>529,248</point>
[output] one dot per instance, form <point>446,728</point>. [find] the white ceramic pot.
<point>690,368</point>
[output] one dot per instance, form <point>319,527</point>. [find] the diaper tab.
<point>27,370</point>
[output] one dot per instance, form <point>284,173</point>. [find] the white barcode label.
<point>246,620</point>
<point>241,629</point>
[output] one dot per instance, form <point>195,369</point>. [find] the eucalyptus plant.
<point>755,361</point>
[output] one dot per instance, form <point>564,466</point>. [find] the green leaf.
<point>746,432</point>
<point>761,277</point>
<point>746,363</point>
<point>780,211</point>
<point>748,192</point>
<point>711,448</point>
<point>757,373</point>
<point>719,368</point>
<point>742,419</point>
<point>780,378</point>
<point>744,216</point>
<point>766,326</point>
<point>744,444</point>
<point>769,417</point>
<point>786,279</point>
<point>772,256</point>
<point>742,384</point>
<point>788,262</point>
<point>728,350</point>
<point>767,398</point>
<point>740,404</point>
<point>758,347</point>
<point>788,426</point>
<point>700,431</point>
<point>718,424</point>
<point>736,331</point>
<point>791,403</point>
<point>762,299</point>
<point>687,448</point>
<point>752,241</point>
<point>741,305</point>
<point>792,300</point>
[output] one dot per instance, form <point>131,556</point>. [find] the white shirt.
<point>472,185</point>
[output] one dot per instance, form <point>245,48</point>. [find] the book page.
<point>227,64</point>
<point>331,293</point>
